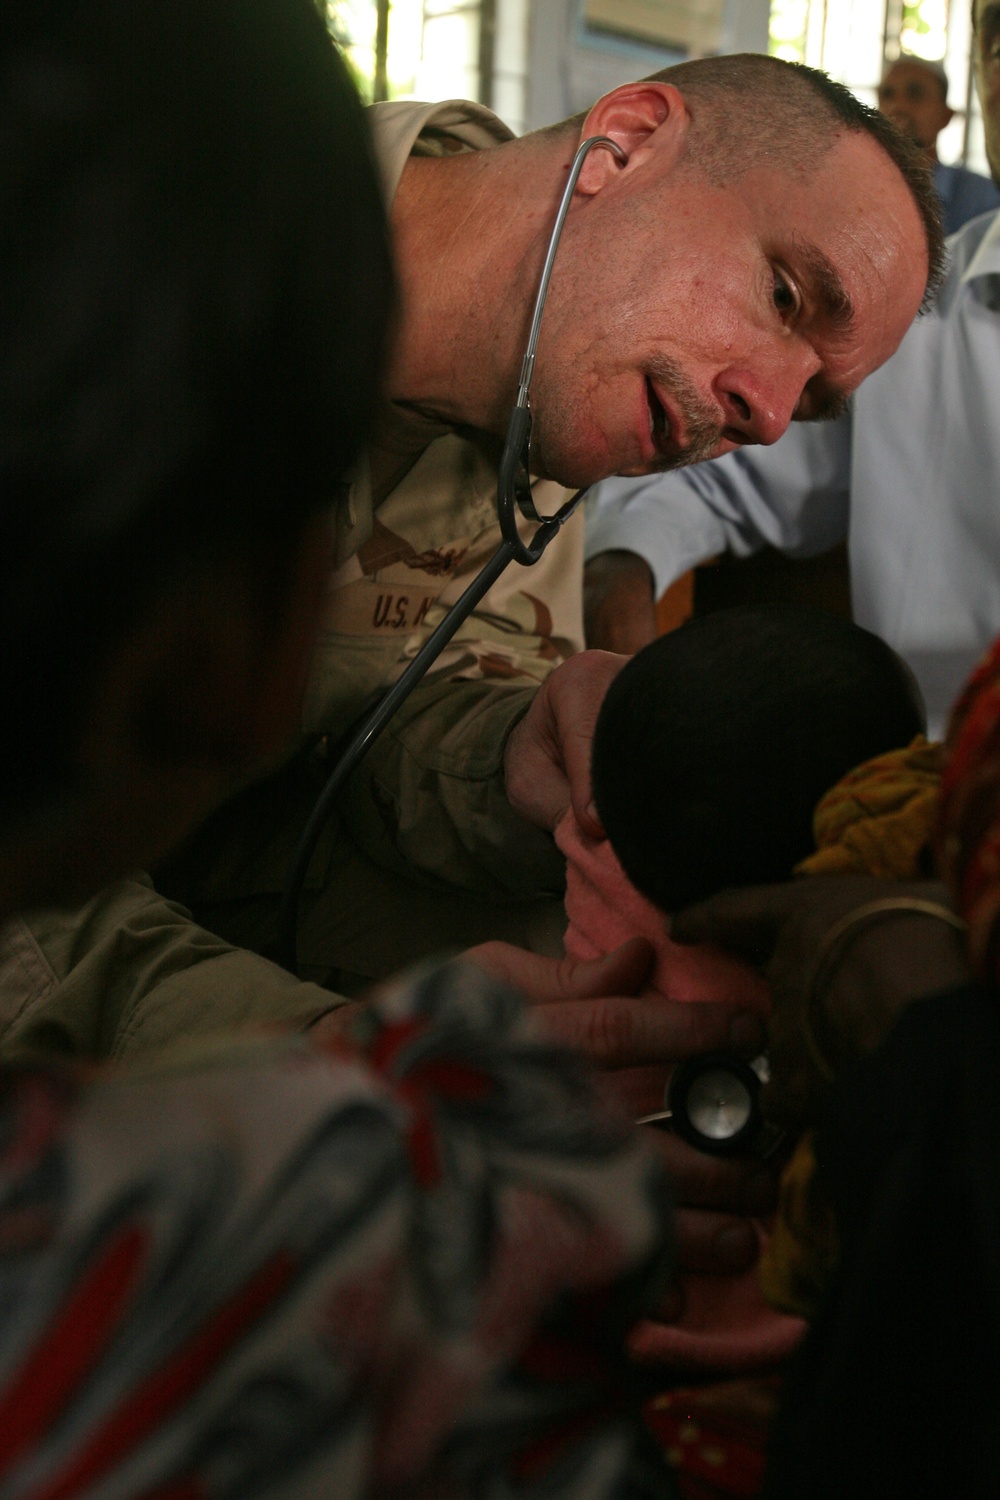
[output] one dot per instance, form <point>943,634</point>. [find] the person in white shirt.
<point>910,476</point>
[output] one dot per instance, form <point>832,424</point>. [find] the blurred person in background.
<point>913,94</point>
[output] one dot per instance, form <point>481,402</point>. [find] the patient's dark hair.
<point>196,282</point>
<point>715,743</point>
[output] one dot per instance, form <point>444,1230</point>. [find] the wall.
<point>569,67</point>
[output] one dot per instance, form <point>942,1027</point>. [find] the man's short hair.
<point>763,111</point>
<point>196,283</point>
<point>749,110</point>
<point>715,743</point>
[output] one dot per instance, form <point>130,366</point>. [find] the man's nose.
<point>759,404</point>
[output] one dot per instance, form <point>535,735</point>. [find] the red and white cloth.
<point>404,1264</point>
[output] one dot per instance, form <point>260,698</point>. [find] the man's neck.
<point>470,234</point>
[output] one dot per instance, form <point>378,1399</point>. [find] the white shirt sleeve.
<point>793,495</point>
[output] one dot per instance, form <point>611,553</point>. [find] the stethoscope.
<point>713,1103</point>
<point>513,494</point>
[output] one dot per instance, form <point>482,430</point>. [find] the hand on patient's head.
<point>715,743</point>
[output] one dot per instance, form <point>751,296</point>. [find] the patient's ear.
<point>215,676</point>
<point>209,682</point>
<point>205,687</point>
<point>165,733</point>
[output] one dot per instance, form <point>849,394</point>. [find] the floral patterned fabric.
<point>405,1263</point>
<point>968,830</point>
<point>715,1435</point>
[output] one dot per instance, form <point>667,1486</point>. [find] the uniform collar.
<point>452,125</point>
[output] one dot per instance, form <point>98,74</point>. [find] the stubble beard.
<point>701,422</point>
<point>702,427</point>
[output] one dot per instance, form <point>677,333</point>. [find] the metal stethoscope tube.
<point>513,494</point>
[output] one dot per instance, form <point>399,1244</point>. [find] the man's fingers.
<point>671,1307</point>
<point>624,1032</point>
<point>639,1090</point>
<point>525,971</point>
<point>547,758</point>
<point>621,972</point>
<point>335,1024</point>
<point>576,703</point>
<point>745,921</point>
<point>545,980</point>
<point>731,1185</point>
<point>534,775</point>
<point>718,1243</point>
<point>574,744</point>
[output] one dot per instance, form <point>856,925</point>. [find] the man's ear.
<point>643,118</point>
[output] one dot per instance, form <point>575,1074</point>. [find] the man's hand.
<point>334,1025</point>
<point>601,1009</point>
<point>619,610</point>
<point>547,759</point>
<point>881,969</point>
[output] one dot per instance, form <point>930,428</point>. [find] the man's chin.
<point>574,471</point>
<point>582,463</point>
<point>576,475</point>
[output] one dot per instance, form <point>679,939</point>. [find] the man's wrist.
<point>619,601</point>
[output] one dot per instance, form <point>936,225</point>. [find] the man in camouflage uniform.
<point>427,828</point>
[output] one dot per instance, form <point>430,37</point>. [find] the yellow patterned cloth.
<point>879,819</point>
<point>802,1249</point>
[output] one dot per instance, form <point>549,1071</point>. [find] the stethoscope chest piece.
<point>713,1103</point>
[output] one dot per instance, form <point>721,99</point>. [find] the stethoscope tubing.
<point>512,548</point>
<point>364,736</point>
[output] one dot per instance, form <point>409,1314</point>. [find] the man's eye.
<point>785,299</point>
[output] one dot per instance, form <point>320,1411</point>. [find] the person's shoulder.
<point>454,124</point>
<point>966,174</point>
<point>404,127</point>
<point>963,194</point>
<point>971,251</point>
<point>978,193</point>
